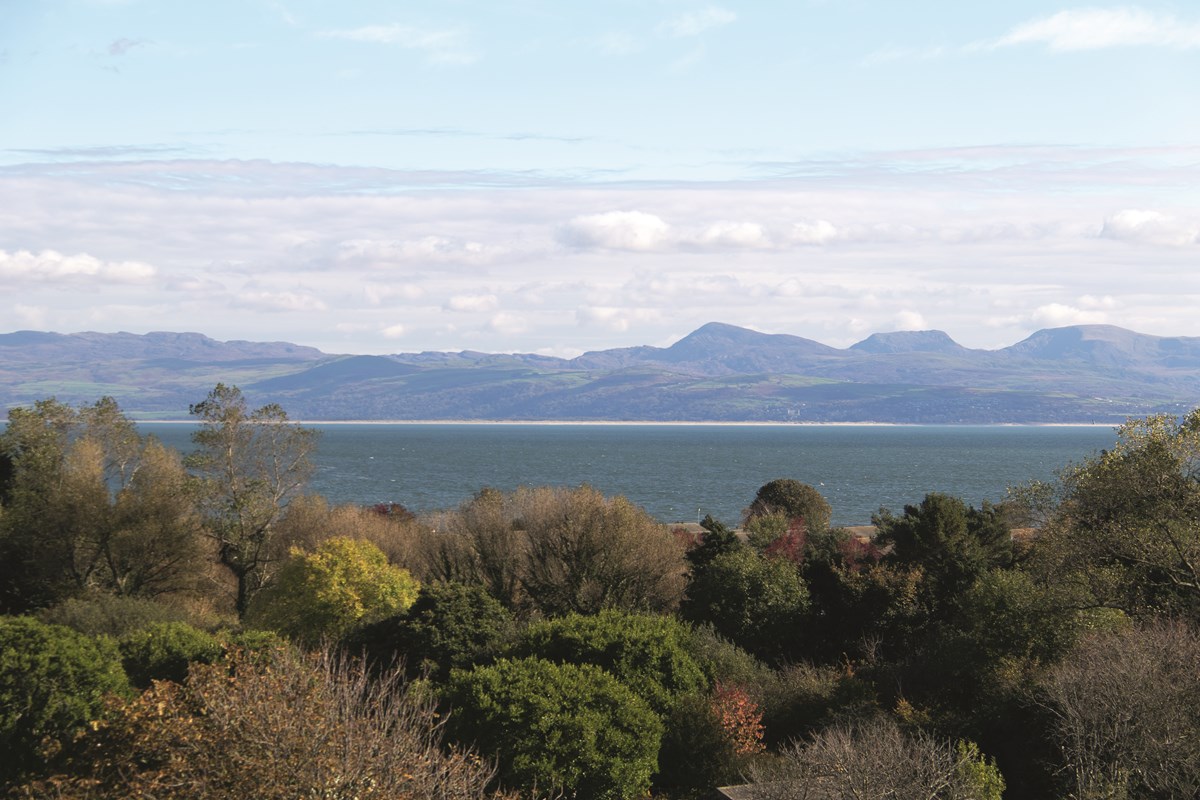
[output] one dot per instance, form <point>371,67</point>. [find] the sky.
<point>557,176</point>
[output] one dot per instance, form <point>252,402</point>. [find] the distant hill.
<point>719,372</point>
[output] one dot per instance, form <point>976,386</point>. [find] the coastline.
<point>671,423</point>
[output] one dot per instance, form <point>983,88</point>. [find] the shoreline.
<point>671,423</point>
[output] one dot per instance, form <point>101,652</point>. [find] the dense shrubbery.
<point>559,551</point>
<point>545,625</point>
<point>450,626</point>
<point>646,653</point>
<point>564,728</point>
<point>164,651</point>
<point>325,594</point>
<point>53,682</point>
<point>285,727</point>
<point>113,615</point>
<point>755,601</point>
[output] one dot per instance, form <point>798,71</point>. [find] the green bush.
<point>53,681</point>
<point>450,626</point>
<point>646,653</point>
<point>801,699</point>
<point>566,728</point>
<point>793,500</point>
<point>253,641</point>
<point>697,754</point>
<point>164,650</point>
<point>109,614</point>
<point>724,662</point>
<point>758,603</point>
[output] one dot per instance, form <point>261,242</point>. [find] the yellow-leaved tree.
<point>326,593</point>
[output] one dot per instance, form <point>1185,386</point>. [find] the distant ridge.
<point>908,342</point>
<point>1110,346</point>
<point>719,372</point>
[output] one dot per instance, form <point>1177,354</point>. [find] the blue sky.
<point>525,175</point>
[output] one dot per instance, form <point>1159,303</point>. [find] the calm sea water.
<point>681,472</point>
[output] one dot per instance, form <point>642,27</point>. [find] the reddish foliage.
<point>740,718</point>
<point>686,538</point>
<point>791,544</point>
<point>394,511</point>
<point>857,553</point>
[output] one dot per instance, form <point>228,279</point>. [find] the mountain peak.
<point>908,342</point>
<point>1108,346</point>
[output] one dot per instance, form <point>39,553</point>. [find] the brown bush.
<point>556,551</point>
<point>1127,712</point>
<point>310,520</point>
<point>276,726</point>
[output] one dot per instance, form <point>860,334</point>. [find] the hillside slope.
<point>1088,373</point>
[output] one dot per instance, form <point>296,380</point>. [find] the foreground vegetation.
<point>200,627</point>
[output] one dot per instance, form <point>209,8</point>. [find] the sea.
<point>681,472</point>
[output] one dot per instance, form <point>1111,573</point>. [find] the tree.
<point>91,504</point>
<point>646,653</point>
<point>250,465</point>
<point>874,758</point>
<point>566,728</point>
<point>1123,527</point>
<point>716,540</point>
<point>53,682</point>
<point>480,543</point>
<point>952,543</point>
<point>274,726</point>
<point>708,742</point>
<point>155,547</point>
<point>589,552</point>
<point>793,499</point>
<point>1126,707</point>
<point>164,651</point>
<point>324,594</point>
<point>450,626</point>
<point>754,601</point>
<point>557,551</point>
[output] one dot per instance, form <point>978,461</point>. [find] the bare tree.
<point>874,759</point>
<point>273,725</point>
<point>1127,712</point>
<point>250,465</point>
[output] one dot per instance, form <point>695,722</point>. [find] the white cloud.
<point>1098,28</point>
<point>910,321</point>
<point>694,23</point>
<point>33,317</point>
<point>427,249</point>
<point>51,266</point>
<point>606,316</point>
<point>1107,302</point>
<point>508,323</point>
<point>617,230</point>
<point>1150,227</point>
<point>1056,315</point>
<point>613,318</point>
<point>376,294</point>
<point>472,303</point>
<point>736,234</point>
<point>820,231</point>
<point>279,301</point>
<point>893,231</point>
<point>439,46</point>
<point>393,331</point>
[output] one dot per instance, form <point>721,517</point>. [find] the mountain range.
<point>719,372</point>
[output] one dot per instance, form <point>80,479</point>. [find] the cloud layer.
<point>283,251</point>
